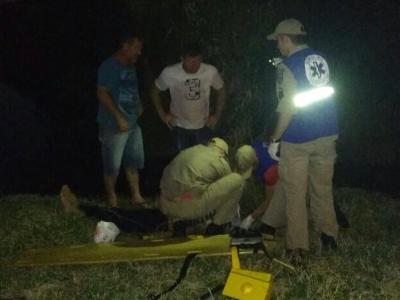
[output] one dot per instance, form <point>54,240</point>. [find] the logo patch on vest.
<point>317,70</point>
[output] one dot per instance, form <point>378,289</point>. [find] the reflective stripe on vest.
<point>311,96</point>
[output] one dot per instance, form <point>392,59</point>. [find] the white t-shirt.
<point>190,93</point>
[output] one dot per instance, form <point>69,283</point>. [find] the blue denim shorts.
<point>124,148</point>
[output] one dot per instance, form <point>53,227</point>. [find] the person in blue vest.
<point>305,135</point>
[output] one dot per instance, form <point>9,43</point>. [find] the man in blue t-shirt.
<point>119,109</point>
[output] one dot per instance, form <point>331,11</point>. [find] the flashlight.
<point>275,61</point>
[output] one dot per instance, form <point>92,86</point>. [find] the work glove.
<point>246,223</point>
<point>273,149</point>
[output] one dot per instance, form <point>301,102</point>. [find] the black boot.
<point>179,229</point>
<point>214,229</point>
<point>267,232</point>
<point>341,218</point>
<point>328,242</point>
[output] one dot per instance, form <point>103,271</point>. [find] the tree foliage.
<point>60,45</point>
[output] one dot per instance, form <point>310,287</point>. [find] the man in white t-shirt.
<point>189,83</point>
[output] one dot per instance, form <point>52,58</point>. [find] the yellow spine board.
<point>122,252</point>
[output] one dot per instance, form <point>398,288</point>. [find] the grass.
<point>366,265</point>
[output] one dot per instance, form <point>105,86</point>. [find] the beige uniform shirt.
<point>193,170</point>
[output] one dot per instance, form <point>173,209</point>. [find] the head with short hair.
<point>130,45</point>
<point>191,49</point>
<point>191,56</point>
<point>128,36</point>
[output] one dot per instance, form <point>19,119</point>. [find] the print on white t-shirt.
<point>190,93</point>
<point>193,92</point>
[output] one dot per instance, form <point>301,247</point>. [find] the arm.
<point>282,124</point>
<point>213,119</point>
<point>259,211</point>
<point>105,99</point>
<point>286,89</point>
<point>166,117</point>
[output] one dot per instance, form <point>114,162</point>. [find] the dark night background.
<point>50,51</point>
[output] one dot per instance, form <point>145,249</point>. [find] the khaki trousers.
<point>304,167</point>
<point>275,215</point>
<point>222,196</point>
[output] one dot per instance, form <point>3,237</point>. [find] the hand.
<point>246,223</point>
<point>169,119</point>
<point>212,121</point>
<point>122,124</point>
<point>273,149</point>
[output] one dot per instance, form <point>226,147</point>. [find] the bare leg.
<point>69,200</point>
<point>132,176</point>
<point>109,183</point>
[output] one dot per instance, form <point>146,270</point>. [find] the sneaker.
<point>328,242</point>
<point>267,232</point>
<point>214,229</point>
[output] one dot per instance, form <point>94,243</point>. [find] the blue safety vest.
<point>319,118</point>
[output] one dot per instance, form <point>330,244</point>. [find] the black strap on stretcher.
<point>182,275</point>
<point>254,243</point>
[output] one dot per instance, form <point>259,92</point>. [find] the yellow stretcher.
<point>126,251</point>
<point>241,284</point>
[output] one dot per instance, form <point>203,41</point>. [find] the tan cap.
<point>288,26</point>
<point>220,144</point>
<point>246,158</point>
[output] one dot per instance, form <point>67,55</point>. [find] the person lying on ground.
<point>128,220</point>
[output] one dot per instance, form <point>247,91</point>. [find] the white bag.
<point>106,232</point>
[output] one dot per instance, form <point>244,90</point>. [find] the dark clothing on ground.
<point>128,220</point>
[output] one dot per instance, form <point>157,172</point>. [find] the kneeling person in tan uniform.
<point>198,183</point>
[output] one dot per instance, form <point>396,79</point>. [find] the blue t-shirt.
<point>122,84</point>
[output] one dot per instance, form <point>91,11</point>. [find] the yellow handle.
<point>235,258</point>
